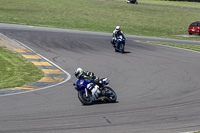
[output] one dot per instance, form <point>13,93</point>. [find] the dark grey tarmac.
<point>158,87</point>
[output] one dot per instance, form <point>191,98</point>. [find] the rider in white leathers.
<point>116,32</point>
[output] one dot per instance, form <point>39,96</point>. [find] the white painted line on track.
<point>187,35</point>
<point>68,75</point>
<point>190,132</point>
<point>174,47</point>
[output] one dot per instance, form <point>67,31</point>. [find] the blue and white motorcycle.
<point>85,95</point>
<point>120,43</point>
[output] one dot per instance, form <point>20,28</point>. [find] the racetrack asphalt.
<point>157,86</point>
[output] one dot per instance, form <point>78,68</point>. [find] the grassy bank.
<point>100,16</point>
<point>16,71</point>
<point>183,4</point>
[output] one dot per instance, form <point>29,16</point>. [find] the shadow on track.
<point>126,52</point>
<point>100,102</point>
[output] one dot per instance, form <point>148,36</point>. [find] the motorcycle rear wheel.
<point>85,100</point>
<point>112,97</point>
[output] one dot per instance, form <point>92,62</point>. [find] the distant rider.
<point>93,87</point>
<point>116,33</point>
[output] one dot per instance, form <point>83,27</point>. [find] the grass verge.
<point>184,46</point>
<point>182,4</point>
<point>92,15</point>
<point>16,71</point>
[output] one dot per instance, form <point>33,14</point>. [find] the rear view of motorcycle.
<point>85,95</point>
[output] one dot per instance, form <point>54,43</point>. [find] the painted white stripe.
<point>175,47</point>
<point>190,132</point>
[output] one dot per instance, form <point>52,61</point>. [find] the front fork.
<point>86,92</point>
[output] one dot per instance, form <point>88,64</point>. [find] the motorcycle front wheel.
<point>110,94</point>
<point>85,100</point>
<point>122,48</point>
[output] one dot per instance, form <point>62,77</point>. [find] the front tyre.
<point>85,100</point>
<point>122,48</point>
<point>110,94</point>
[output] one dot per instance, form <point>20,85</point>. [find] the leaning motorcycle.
<point>120,44</point>
<point>85,95</point>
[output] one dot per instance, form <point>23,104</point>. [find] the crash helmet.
<point>117,28</point>
<point>78,72</point>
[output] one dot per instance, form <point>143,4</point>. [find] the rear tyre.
<point>111,96</point>
<point>85,100</point>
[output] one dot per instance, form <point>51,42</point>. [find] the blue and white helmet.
<point>78,72</point>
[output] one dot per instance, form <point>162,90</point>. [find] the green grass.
<point>16,71</point>
<point>183,4</point>
<point>184,46</point>
<point>100,16</point>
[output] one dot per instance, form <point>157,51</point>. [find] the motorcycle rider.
<point>93,87</point>
<point>116,33</point>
